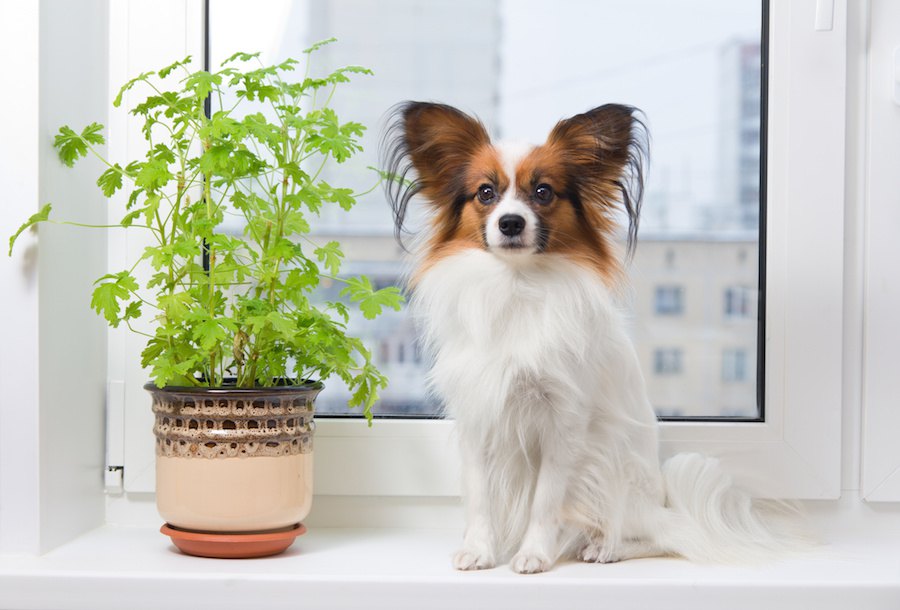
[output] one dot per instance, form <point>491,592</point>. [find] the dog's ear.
<point>435,140</point>
<point>606,149</point>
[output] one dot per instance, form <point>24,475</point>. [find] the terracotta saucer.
<point>233,546</point>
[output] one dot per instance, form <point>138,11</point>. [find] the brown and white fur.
<point>514,289</point>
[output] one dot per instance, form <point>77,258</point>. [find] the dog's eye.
<point>543,193</point>
<point>486,194</point>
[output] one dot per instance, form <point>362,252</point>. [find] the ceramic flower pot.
<point>234,465</point>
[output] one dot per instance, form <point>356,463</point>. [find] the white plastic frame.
<point>797,450</point>
<point>881,336</point>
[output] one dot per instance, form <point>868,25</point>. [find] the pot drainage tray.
<point>233,545</point>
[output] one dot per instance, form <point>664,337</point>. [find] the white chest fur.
<point>518,330</point>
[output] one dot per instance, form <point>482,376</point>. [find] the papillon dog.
<point>515,288</point>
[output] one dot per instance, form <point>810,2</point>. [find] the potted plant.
<point>235,347</point>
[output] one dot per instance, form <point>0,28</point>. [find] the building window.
<point>735,365</point>
<point>670,258</point>
<point>738,302</point>
<point>667,361</point>
<point>669,301</point>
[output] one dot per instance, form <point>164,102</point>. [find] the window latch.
<point>114,480</point>
<point>824,15</point>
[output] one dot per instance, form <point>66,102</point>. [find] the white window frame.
<point>881,332</point>
<point>797,450</point>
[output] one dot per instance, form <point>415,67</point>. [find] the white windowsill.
<point>135,567</point>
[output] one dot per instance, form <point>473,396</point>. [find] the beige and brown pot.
<point>234,463</point>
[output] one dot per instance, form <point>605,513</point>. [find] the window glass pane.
<point>692,66</point>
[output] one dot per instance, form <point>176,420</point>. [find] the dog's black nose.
<point>511,224</point>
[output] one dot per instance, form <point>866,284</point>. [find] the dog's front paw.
<point>472,559</point>
<point>530,563</point>
<point>594,552</point>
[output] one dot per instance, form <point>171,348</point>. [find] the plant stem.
<point>211,284</point>
<point>81,224</point>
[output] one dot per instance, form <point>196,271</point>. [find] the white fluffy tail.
<point>712,520</point>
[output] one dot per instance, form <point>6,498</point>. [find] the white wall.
<point>52,384</point>
<point>19,26</point>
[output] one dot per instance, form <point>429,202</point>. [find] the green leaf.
<point>222,126</point>
<point>297,282</point>
<point>240,56</point>
<point>282,324</point>
<point>175,306</point>
<point>132,311</point>
<point>340,75</point>
<point>256,324</point>
<point>137,79</point>
<point>130,217</point>
<point>91,134</point>
<point>254,90</point>
<point>153,175</point>
<point>366,385</point>
<point>72,146</point>
<point>107,294</point>
<point>168,69</point>
<point>155,347</point>
<point>162,153</point>
<point>313,83</point>
<point>341,196</point>
<point>158,279</point>
<point>149,210</point>
<point>166,371</point>
<point>340,309</point>
<point>111,180</point>
<point>41,216</point>
<point>287,65</point>
<point>294,222</point>
<point>262,130</point>
<point>310,196</point>
<point>294,173</point>
<point>339,141</point>
<point>371,301</point>
<point>202,83</point>
<point>318,45</point>
<point>215,160</point>
<point>331,255</point>
<point>168,100</point>
<point>208,334</point>
<point>69,145</point>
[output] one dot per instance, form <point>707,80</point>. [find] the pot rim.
<point>226,389</point>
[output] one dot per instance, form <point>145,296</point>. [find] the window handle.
<point>824,15</point>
